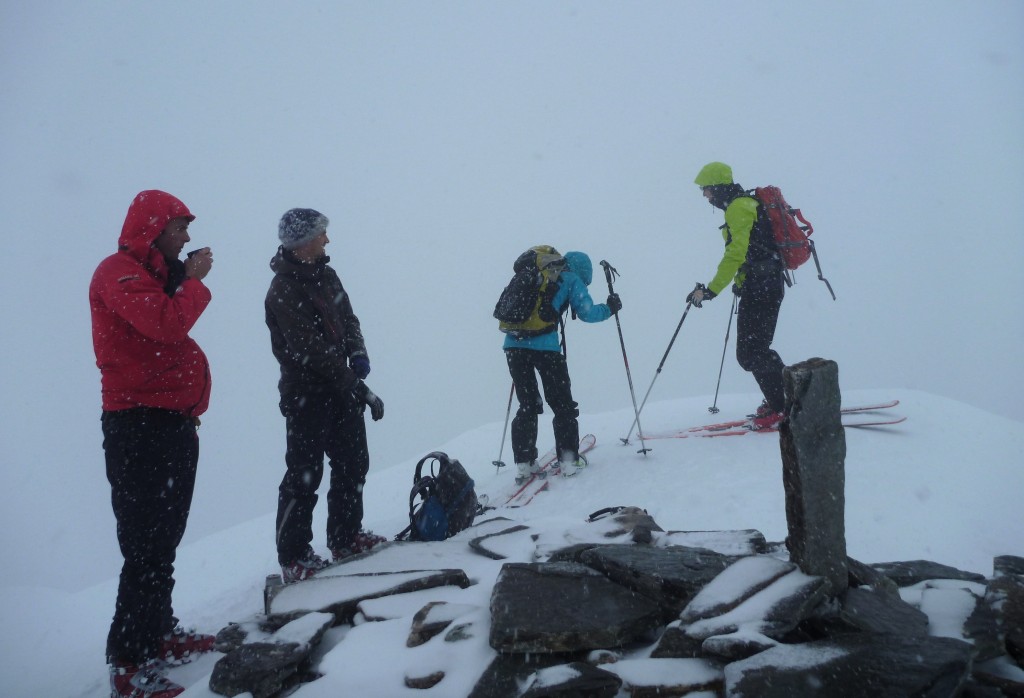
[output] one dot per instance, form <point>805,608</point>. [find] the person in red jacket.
<point>155,384</point>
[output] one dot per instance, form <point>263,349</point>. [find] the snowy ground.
<point>945,485</point>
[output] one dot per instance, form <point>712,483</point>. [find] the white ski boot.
<point>524,471</point>
<point>570,468</point>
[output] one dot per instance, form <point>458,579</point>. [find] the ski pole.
<point>656,373</point>
<point>609,272</point>
<point>714,407</point>
<point>498,464</point>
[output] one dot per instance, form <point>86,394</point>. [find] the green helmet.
<point>714,173</point>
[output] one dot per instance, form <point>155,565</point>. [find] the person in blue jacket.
<point>542,354</point>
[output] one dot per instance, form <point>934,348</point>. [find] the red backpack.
<point>792,239</point>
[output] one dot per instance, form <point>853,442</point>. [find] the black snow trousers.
<point>756,318</point>
<point>319,423</point>
<point>151,458</point>
<point>524,365</point>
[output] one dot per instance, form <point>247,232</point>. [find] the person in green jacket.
<point>751,262</point>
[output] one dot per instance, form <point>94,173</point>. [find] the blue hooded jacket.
<point>572,291</point>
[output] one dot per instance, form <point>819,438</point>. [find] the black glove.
<point>376,405</point>
<point>737,291</point>
<point>614,303</point>
<point>360,366</point>
<point>699,294</point>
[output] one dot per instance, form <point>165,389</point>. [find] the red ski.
<point>744,429</point>
<point>526,492</point>
<point>742,426</point>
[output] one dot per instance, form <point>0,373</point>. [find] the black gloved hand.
<point>376,405</point>
<point>699,294</point>
<point>614,303</point>
<point>737,291</point>
<point>360,365</point>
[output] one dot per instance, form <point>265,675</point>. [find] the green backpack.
<point>524,308</point>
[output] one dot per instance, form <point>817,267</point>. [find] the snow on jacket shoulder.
<point>140,333</point>
<point>313,330</point>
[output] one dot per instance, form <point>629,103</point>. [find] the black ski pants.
<point>151,458</point>
<point>756,318</point>
<point>524,365</point>
<point>319,423</point>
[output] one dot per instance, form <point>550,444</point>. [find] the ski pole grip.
<point>608,271</point>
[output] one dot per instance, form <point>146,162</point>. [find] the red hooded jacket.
<point>139,333</point>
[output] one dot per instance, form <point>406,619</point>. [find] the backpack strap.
<point>601,513</point>
<point>437,456</point>
<point>761,233</point>
<point>561,327</point>
<point>807,227</point>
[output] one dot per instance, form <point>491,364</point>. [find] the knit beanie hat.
<point>300,225</point>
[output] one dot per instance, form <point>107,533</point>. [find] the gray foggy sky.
<point>442,139</point>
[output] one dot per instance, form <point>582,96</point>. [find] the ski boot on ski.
<point>574,466</point>
<point>524,471</point>
<point>146,680</point>
<point>764,417</point>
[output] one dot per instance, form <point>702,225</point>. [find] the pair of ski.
<point>852,417</point>
<point>538,482</point>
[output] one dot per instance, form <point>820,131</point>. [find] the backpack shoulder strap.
<point>436,456</point>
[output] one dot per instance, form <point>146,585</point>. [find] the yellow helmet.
<point>714,173</point>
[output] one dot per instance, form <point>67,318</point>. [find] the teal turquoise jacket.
<point>572,292</point>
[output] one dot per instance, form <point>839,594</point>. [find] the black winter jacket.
<point>313,331</point>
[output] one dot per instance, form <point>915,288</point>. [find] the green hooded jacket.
<point>740,216</point>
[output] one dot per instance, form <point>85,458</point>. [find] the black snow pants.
<point>151,458</point>
<point>756,318</point>
<point>319,423</point>
<point>524,365</point>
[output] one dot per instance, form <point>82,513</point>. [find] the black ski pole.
<point>714,407</point>
<point>656,373</point>
<point>498,464</point>
<point>609,273</point>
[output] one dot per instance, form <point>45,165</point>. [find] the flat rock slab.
<point>853,666</point>
<point>502,544</point>
<point>876,611</point>
<point>433,619</point>
<point>912,572</point>
<point>734,585</point>
<point>575,679</point>
<point>667,677</point>
<point>341,594</point>
<point>671,576</point>
<point>772,611</point>
<point>538,607</point>
<point>264,666</point>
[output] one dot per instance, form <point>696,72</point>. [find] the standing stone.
<point>813,454</point>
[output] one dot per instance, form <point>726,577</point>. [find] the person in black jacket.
<point>317,340</point>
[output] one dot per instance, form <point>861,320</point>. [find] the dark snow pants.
<point>319,423</point>
<point>151,457</point>
<point>524,365</point>
<point>756,318</point>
